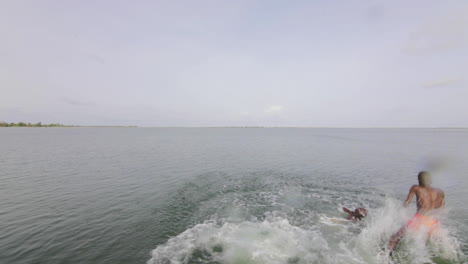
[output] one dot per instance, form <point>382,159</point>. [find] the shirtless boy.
<point>427,200</point>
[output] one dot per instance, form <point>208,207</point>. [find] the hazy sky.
<point>326,63</point>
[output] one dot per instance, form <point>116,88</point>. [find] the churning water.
<point>215,195</point>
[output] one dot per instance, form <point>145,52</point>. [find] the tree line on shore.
<point>23,124</point>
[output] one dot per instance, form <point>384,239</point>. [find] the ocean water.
<point>225,195</point>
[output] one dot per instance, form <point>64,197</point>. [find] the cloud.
<point>441,83</point>
<point>375,12</point>
<point>76,102</point>
<point>274,109</point>
<point>440,34</point>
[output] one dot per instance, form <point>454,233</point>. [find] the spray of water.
<point>288,223</point>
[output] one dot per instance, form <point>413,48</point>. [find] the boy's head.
<point>424,179</point>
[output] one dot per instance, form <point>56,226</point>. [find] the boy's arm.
<point>442,203</point>
<point>411,193</point>
<point>351,214</point>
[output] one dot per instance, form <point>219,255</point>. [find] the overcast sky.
<point>324,63</point>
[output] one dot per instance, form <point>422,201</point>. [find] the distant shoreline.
<point>23,124</point>
<point>69,126</point>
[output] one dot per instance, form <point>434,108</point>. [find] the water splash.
<point>269,241</point>
<point>295,222</point>
<point>415,246</point>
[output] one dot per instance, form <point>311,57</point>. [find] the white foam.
<point>275,240</point>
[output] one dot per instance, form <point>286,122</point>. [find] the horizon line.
<point>316,127</point>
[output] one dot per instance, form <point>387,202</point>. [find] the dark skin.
<point>427,199</point>
<point>355,215</point>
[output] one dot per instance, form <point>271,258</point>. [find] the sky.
<point>368,63</point>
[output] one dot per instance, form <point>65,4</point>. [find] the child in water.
<point>356,215</point>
